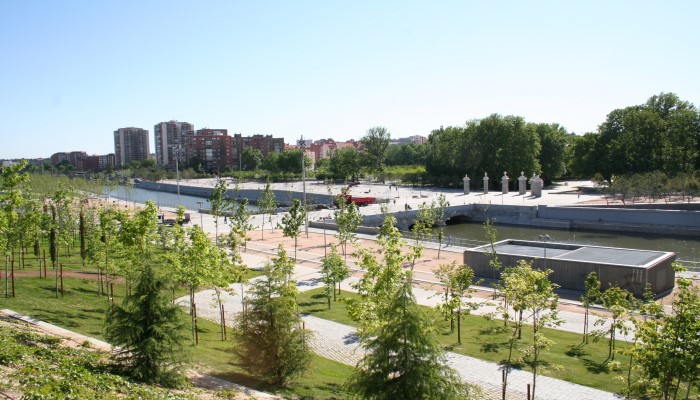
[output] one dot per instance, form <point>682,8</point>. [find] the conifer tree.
<point>403,360</point>
<point>270,333</point>
<point>148,332</point>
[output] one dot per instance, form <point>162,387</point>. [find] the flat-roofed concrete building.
<point>130,144</point>
<point>571,264</point>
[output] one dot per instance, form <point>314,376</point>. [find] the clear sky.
<point>72,72</point>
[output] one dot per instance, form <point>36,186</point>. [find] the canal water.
<point>162,199</point>
<point>687,249</point>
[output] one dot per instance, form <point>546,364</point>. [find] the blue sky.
<point>72,72</point>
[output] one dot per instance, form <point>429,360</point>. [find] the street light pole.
<point>177,172</point>
<point>200,214</point>
<point>302,145</point>
<point>545,239</point>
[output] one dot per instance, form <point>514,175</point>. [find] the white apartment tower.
<point>167,138</point>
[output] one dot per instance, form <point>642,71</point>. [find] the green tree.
<point>347,219</point>
<point>456,282</point>
<point>333,271</point>
<point>618,302</point>
<point>591,295</point>
<point>220,204</point>
<point>439,209</point>
<point>491,253</point>
<point>403,359</point>
<point>448,152</point>
<point>667,348</point>
<point>374,145</point>
<point>273,343</point>
<point>12,182</point>
<point>196,263</point>
<point>661,134</point>
<point>292,223</point>
<point>240,225</point>
<point>541,301</point>
<point>381,280</point>
<point>267,205</point>
<point>148,333</point>
<point>553,153</point>
<point>251,159</point>
<point>345,163</point>
<point>422,228</point>
<point>136,235</point>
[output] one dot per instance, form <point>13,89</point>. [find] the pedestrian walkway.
<point>338,342</point>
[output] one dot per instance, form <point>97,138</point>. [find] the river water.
<point>162,199</point>
<point>687,249</point>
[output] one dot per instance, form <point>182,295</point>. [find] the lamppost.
<point>177,171</point>
<point>302,145</point>
<point>545,239</point>
<point>200,214</point>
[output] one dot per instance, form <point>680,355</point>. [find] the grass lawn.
<point>568,359</point>
<point>81,310</point>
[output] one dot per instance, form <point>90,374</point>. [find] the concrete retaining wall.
<point>673,218</point>
<point>667,222</point>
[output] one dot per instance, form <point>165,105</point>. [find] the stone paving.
<point>338,342</point>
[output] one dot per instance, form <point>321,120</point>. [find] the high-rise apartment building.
<point>130,144</point>
<point>213,148</point>
<point>167,139</point>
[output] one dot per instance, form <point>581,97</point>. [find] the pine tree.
<point>149,333</point>
<point>403,360</point>
<point>272,340</point>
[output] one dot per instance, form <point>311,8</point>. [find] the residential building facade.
<point>266,144</point>
<point>130,144</point>
<point>167,139</point>
<point>213,148</point>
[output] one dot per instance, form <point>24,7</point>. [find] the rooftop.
<point>581,253</point>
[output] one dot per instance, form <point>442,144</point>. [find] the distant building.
<point>81,161</point>
<point>212,147</point>
<point>167,136</point>
<point>105,160</point>
<point>415,139</point>
<point>266,144</point>
<point>324,147</point>
<point>130,144</point>
<point>74,158</point>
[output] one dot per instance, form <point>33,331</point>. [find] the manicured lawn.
<point>568,359</point>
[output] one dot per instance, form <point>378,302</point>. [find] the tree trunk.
<point>61,267</point>
<point>13,277</point>
<point>459,326</point>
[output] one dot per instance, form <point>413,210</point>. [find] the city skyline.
<point>80,70</point>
